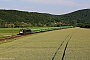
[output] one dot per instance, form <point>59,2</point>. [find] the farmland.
<point>4,32</point>
<point>8,31</point>
<point>65,44</point>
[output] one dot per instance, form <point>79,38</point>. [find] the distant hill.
<point>26,19</point>
<point>81,17</point>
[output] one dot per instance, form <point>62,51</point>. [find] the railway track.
<point>24,32</point>
<point>62,47</point>
<point>9,37</point>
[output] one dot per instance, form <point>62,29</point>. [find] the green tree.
<point>17,24</point>
<point>1,23</point>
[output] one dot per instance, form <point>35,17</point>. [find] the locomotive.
<point>24,31</point>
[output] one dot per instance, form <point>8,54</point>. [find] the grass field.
<point>66,44</point>
<point>8,31</point>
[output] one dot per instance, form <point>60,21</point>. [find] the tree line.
<point>16,18</point>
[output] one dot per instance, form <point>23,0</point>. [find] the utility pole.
<point>12,29</point>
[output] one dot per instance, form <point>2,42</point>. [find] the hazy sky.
<point>45,6</point>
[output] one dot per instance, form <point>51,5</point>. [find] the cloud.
<point>10,0</point>
<point>70,3</point>
<point>80,3</point>
<point>60,2</point>
<point>6,0</point>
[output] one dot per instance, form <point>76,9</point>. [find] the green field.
<point>49,46</point>
<point>8,31</point>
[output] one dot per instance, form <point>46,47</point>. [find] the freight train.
<point>37,30</point>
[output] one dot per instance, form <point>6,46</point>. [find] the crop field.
<point>65,44</point>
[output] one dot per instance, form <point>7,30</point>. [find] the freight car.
<point>37,30</point>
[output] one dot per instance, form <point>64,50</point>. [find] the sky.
<point>56,7</point>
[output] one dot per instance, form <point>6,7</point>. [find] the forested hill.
<point>27,19</point>
<point>80,17</point>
